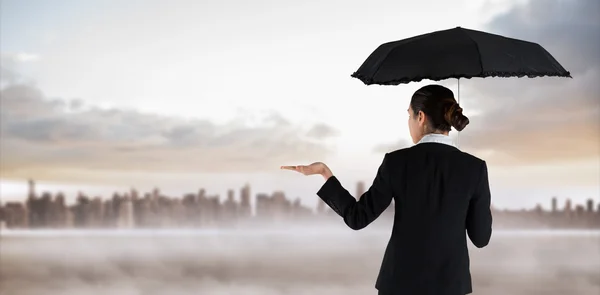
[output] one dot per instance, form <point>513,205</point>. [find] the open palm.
<point>316,168</point>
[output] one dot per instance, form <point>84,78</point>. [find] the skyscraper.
<point>230,210</point>
<point>31,186</point>
<point>60,211</point>
<point>280,205</point>
<point>96,212</point>
<point>126,213</point>
<point>263,206</point>
<point>568,208</point>
<point>32,206</point>
<point>246,209</point>
<point>590,206</point>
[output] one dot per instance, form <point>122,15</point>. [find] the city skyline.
<point>154,209</point>
<point>356,190</point>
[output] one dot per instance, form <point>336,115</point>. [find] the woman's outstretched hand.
<point>317,168</point>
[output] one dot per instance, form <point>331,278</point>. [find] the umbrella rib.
<point>478,50</point>
<point>381,63</point>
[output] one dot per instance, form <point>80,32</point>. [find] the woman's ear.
<point>421,117</point>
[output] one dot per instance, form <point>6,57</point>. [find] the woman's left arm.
<point>358,214</point>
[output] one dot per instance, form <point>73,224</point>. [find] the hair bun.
<point>455,117</point>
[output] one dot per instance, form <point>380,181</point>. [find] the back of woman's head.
<point>439,105</point>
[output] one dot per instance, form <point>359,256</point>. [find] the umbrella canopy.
<point>456,53</point>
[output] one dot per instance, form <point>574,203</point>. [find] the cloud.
<point>538,120</point>
<point>40,135</point>
<point>19,57</point>
<point>321,131</point>
<point>7,75</point>
<point>9,65</point>
<point>26,57</point>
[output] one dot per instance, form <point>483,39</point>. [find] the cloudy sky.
<point>104,95</point>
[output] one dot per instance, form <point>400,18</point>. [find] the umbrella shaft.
<point>458,101</point>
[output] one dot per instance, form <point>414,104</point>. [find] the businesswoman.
<point>441,194</point>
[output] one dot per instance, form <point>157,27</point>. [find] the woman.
<point>439,192</point>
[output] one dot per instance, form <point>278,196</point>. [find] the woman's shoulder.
<point>420,150</point>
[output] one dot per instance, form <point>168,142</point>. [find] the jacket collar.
<point>437,138</point>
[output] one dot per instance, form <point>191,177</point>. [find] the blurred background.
<point>140,145</point>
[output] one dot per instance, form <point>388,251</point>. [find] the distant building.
<point>96,212</point>
<point>590,206</point>
<point>177,214</point>
<point>31,189</point>
<point>263,206</point>
<point>59,212</point>
<point>281,206</point>
<point>15,215</point>
<point>214,209</point>
<point>568,208</point>
<point>126,214</point>
<point>81,211</point>
<point>245,207</point>
<point>33,207</point>
<point>230,208</point>
<point>202,206</point>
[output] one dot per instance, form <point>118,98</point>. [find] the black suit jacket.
<point>441,194</point>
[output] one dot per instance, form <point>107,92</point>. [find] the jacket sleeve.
<point>479,215</point>
<point>359,214</point>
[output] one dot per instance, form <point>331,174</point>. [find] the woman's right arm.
<point>479,214</point>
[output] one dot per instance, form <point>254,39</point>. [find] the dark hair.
<point>442,110</point>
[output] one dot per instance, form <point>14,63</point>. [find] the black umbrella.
<point>456,53</point>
